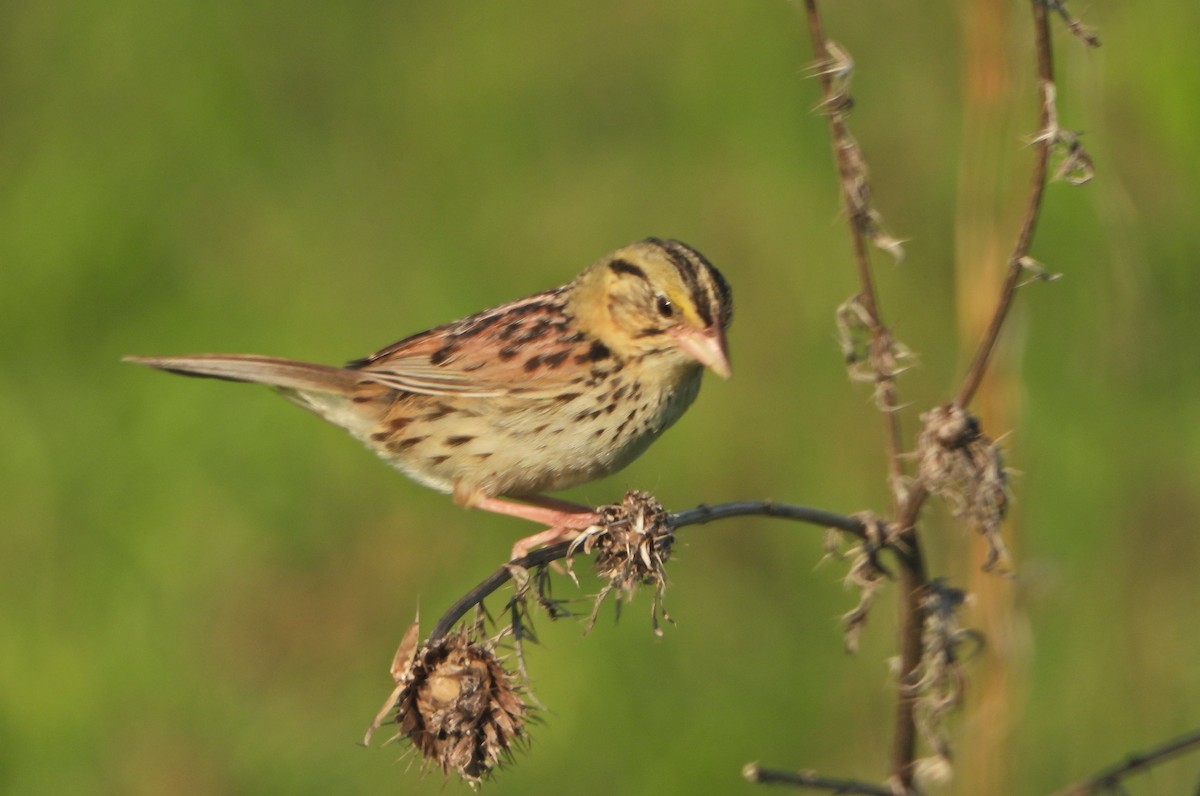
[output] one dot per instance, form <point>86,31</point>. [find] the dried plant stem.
<point>913,577</point>
<point>1037,187</point>
<point>913,580</point>
<point>694,516</point>
<point>811,780</point>
<point>1109,779</point>
<point>857,215</point>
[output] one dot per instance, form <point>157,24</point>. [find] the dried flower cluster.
<point>1075,164</point>
<point>866,573</point>
<point>632,543</point>
<point>960,463</point>
<point>939,687</point>
<point>456,703</point>
<point>865,360</point>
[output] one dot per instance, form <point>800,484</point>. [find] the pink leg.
<point>523,547</point>
<point>547,511</point>
<point>554,503</point>
<point>563,520</point>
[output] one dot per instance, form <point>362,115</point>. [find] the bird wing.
<point>528,348</point>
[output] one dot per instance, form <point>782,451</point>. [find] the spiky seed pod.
<point>457,705</point>
<point>632,542</point>
<point>960,463</point>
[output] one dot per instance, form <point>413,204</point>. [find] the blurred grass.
<point>201,588</point>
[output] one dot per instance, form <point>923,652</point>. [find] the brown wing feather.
<point>516,349</point>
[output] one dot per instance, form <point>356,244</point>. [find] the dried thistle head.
<point>866,574</point>
<point>1036,271</point>
<point>961,464</point>
<point>1076,166</point>
<point>884,240</point>
<point>854,336</point>
<point>940,680</point>
<point>456,703</point>
<point>838,64</point>
<point>836,69</point>
<point>870,352</point>
<point>632,542</point>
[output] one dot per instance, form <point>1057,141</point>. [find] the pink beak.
<point>706,346</point>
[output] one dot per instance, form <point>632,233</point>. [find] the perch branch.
<point>1047,135</point>
<point>694,516</point>
<point>825,519</point>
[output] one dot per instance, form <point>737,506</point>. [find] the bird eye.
<point>665,307</point>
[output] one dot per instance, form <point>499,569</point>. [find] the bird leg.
<point>564,520</point>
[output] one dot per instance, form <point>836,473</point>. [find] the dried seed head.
<point>838,64</point>
<point>856,179</point>
<point>1037,272</point>
<point>457,705</point>
<point>963,465</point>
<point>884,240</point>
<point>854,336</point>
<point>632,543</point>
<point>933,770</point>
<point>837,67</point>
<point>870,352</point>
<point>940,681</point>
<point>866,575</point>
<point>1076,166</point>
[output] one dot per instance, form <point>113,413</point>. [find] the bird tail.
<point>324,390</point>
<point>283,373</point>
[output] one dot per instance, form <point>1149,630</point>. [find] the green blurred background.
<point>201,588</point>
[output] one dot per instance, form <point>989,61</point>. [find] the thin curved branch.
<point>811,780</point>
<point>767,508</point>
<point>694,516</point>
<point>494,581</point>
<point>1047,135</point>
<point>913,573</point>
<point>1136,763</point>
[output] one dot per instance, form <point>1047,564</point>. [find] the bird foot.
<point>564,521</point>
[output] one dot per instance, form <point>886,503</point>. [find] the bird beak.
<point>706,346</point>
